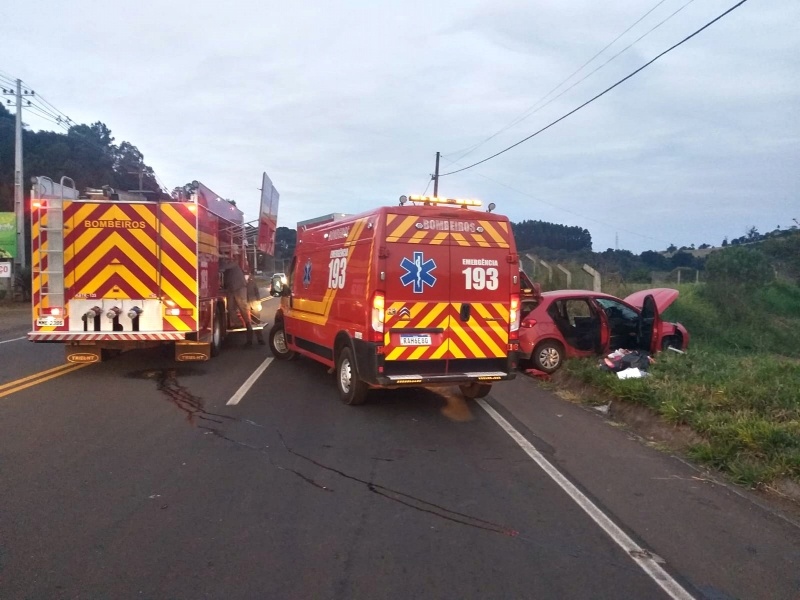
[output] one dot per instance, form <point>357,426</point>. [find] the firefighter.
<point>235,285</point>
<point>254,300</point>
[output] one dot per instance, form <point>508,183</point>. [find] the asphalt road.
<point>134,478</point>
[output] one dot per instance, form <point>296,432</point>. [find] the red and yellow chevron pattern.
<point>485,335</point>
<point>179,262</point>
<point>487,234</point>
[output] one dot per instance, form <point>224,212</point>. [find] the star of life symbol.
<point>418,272</point>
<point>307,274</point>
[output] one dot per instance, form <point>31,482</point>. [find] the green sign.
<point>8,235</point>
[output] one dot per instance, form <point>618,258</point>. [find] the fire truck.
<point>113,271</point>
<point>426,293</point>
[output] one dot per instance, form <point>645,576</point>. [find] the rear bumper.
<point>58,336</point>
<point>373,369</point>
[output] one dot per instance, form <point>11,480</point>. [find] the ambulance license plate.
<point>419,339</point>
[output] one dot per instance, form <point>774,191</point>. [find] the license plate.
<point>49,322</point>
<point>423,339</point>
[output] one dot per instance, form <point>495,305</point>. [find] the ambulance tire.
<point>475,390</point>
<point>277,343</point>
<point>216,333</point>
<point>352,390</point>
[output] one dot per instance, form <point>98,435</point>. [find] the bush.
<point>739,266</point>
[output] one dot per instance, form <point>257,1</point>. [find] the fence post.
<point>595,278</point>
<point>567,274</point>
<point>549,270</point>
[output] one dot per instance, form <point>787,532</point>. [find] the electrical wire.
<point>603,93</point>
<point>427,186</point>
<point>536,107</point>
<point>582,216</point>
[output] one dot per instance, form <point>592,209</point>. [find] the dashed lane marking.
<point>249,383</point>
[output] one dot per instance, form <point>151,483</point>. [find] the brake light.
<point>378,316</point>
<point>55,311</point>
<point>179,312</point>
<point>514,318</point>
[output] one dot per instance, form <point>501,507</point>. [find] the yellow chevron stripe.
<point>439,238</point>
<point>493,325</point>
<point>418,237</point>
<point>418,352</point>
<point>465,337</point>
<point>108,272</point>
<point>177,323</point>
<point>390,218</point>
<point>401,229</point>
<point>486,338</point>
<point>178,219</point>
<point>173,241</point>
<point>498,237</point>
<point>428,319</point>
<point>395,354</point>
<point>116,240</point>
<point>460,239</point>
<point>147,214</point>
<point>185,278</point>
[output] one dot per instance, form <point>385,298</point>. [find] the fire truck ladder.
<point>50,208</point>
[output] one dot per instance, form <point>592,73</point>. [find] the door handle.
<point>465,312</point>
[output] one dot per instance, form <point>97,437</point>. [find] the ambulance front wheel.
<point>277,343</point>
<point>351,389</point>
<point>475,390</point>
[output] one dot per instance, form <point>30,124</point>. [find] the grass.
<point>738,387</point>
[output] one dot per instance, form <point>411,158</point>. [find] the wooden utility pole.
<point>19,189</point>
<point>436,178</point>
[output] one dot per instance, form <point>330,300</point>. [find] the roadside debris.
<point>621,360</point>
<point>537,374</point>
<point>632,373</point>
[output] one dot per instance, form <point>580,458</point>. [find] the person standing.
<point>235,285</point>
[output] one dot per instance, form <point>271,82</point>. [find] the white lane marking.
<point>646,560</point>
<point>14,340</point>
<point>249,383</point>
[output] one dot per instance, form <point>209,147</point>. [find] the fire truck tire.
<point>475,390</point>
<point>352,390</point>
<point>277,343</point>
<point>216,333</point>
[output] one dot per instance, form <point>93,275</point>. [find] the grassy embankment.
<point>739,384</point>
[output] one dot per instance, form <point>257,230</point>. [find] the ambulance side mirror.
<point>276,287</point>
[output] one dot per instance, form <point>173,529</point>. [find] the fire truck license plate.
<point>415,340</point>
<point>49,322</point>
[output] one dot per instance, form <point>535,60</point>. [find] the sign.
<point>8,235</point>
<point>5,270</point>
<point>268,216</point>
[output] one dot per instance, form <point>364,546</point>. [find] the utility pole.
<point>140,172</point>
<point>19,189</point>
<point>436,178</point>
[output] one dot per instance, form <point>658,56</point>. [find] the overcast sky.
<point>345,104</point>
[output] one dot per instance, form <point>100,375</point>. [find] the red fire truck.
<point>114,271</point>
<point>425,293</point>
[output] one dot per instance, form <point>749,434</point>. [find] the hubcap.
<point>345,376</point>
<point>549,357</point>
<point>280,342</point>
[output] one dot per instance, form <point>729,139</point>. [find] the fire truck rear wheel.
<point>277,343</point>
<point>216,333</point>
<point>351,389</point>
<point>475,390</point>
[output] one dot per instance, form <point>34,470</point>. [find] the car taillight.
<point>528,323</point>
<point>378,315</point>
<point>514,318</point>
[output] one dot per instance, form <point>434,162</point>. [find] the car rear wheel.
<point>548,356</point>
<point>277,343</point>
<point>474,389</point>
<point>352,390</point>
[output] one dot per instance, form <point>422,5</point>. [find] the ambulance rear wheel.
<point>475,390</point>
<point>216,334</point>
<point>351,389</point>
<point>277,343</point>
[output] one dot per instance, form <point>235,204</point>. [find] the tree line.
<point>86,153</point>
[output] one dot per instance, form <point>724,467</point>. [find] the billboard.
<point>268,216</point>
<point>8,235</point>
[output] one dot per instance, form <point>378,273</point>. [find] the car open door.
<point>649,325</point>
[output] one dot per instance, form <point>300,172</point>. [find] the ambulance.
<point>426,293</point>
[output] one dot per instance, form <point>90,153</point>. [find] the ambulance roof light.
<point>451,201</point>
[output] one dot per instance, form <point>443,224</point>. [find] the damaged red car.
<point>578,323</point>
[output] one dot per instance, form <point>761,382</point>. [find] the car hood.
<point>663,297</point>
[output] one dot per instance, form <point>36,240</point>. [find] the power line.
<point>582,216</point>
<point>534,109</point>
<point>527,112</point>
<point>603,93</point>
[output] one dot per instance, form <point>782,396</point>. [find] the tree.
<point>725,242</point>
<point>672,248</point>
<point>739,266</point>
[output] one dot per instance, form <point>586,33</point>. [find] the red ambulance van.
<point>425,293</point>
